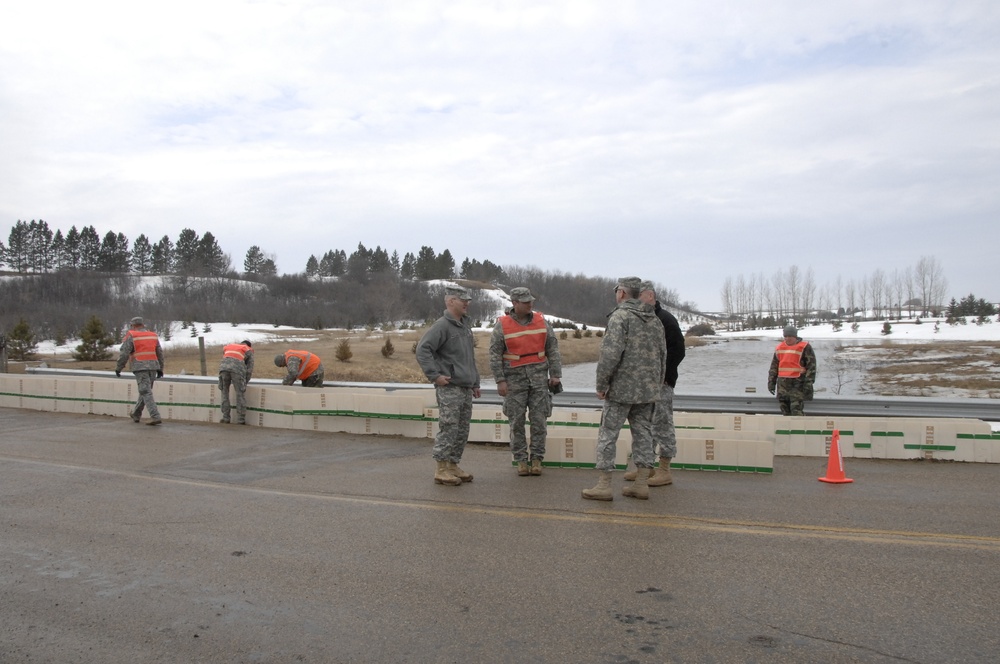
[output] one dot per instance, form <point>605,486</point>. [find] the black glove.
<point>159,373</point>
<point>118,373</point>
<point>771,390</point>
<point>556,389</point>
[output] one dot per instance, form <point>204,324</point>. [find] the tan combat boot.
<point>602,491</point>
<point>630,475</point>
<point>444,476</point>
<point>639,489</point>
<point>536,467</point>
<point>661,476</point>
<point>458,472</point>
<point>522,468</point>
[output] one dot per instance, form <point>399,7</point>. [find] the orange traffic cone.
<point>835,466</point>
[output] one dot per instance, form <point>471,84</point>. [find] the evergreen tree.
<point>142,256</point>
<point>394,262</point>
<point>359,264</point>
<point>90,249</point>
<point>268,268</point>
<point>312,267</point>
<point>114,253</point>
<point>425,266</point>
<point>407,269</point>
<point>18,247</point>
<point>186,252</point>
<point>3,254</point>
<point>163,256</point>
<point>39,246</point>
<point>58,249</point>
<point>380,261</point>
<point>21,343</point>
<point>253,261</point>
<point>94,342</point>
<point>445,265</point>
<point>71,249</point>
<point>344,352</point>
<point>209,257</point>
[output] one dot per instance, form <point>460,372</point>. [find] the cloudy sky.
<point>684,142</point>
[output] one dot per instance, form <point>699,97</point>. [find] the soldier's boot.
<point>602,490</point>
<point>536,466</point>
<point>638,489</point>
<point>458,472</point>
<point>630,475</point>
<point>444,476</point>
<point>522,468</point>
<point>661,476</point>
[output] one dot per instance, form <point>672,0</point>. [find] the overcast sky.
<point>684,142</point>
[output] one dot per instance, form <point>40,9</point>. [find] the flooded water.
<point>739,366</point>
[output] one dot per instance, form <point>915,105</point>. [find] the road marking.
<point>587,515</point>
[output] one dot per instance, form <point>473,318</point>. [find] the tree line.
<point>793,294</point>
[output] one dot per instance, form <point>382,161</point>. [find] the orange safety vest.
<point>236,351</point>
<point>790,359</point>
<point>144,344</point>
<point>525,343</point>
<point>309,362</point>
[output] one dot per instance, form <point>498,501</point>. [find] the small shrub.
<point>344,352</point>
<point>413,348</point>
<point>855,326</point>
<point>21,341</point>
<point>837,325</point>
<point>599,333</point>
<point>700,330</point>
<point>387,348</point>
<point>588,334</point>
<point>886,328</point>
<point>564,334</point>
<point>207,328</point>
<point>577,334</point>
<point>94,342</point>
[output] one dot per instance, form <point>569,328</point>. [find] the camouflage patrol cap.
<point>458,291</point>
<point>521,294</point>
<point>136,321</point>
<point>279,360</point>
<point>790,331</point>
<point>630,283</point>
<point>646,286</point>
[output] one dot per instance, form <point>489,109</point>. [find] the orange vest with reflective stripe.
<point>308,362</point>
<point>236,351</point>
<point>790,359</point>
<point>144,344</point>
<point>525,343</point>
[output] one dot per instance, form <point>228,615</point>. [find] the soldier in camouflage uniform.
<point>143,348</point>
<point>236,369</point>
<point>525,361</point>
<point>793,372</point>
<point>446,354</point>
<point>630,373</point>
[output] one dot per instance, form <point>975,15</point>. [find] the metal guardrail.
<point>866,406</point>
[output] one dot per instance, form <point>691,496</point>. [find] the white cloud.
<point>723,140</point>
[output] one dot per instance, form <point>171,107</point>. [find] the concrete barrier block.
<point>765,455</point>
<point>72,395</point>
<point>572,451</point>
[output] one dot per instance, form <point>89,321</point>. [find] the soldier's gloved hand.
<point>118,373</point>
<point>809,393</point>
<point>771,390</point>
<point>159,373</point>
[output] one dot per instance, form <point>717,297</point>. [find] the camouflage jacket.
<point>633,360</point>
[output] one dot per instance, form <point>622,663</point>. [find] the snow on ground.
<point>930,329</point>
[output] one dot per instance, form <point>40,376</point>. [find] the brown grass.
<point>366,365</point>
<point>928,369</point>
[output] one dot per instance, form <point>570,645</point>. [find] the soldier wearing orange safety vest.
<point>302,365</point>
<point>236,369</point>
<point>527,367</point>
<point>142,347</point>
<point>792,373</point>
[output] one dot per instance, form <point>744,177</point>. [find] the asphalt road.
<point>123,543</point>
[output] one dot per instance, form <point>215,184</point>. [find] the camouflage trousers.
<point>663,423</point>
<point>454,418</point>
<point>791,395</point>
<point>237,379</point>
<point>527,391</point>
<point>640,420</point>
<point>145,379</point>
<point>315,379</point>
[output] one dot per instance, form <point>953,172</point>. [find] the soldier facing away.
<point>236,369</point>
<point>142,347</point>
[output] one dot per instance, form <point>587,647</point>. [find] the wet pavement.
<point>214,543</point>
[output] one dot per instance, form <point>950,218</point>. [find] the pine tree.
<point>344,352</point>
<point>94,342</point>
<point>142,256</point>
<point>21,342</point>
<point>312,267</point>
<point>388,349</point>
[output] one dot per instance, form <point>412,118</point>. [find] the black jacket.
<point>675,343</point>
